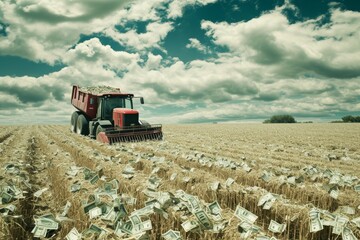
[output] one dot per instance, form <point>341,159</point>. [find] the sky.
<point>194,61</point>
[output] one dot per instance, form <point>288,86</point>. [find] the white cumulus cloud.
<point>195,43</point>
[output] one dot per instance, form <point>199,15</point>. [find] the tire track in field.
<point>7,132</point>
<point>61,161</point>
<point>20,228</point>
<point>6,139</point>
<point>11,227</point>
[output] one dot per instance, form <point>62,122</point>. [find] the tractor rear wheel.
<point>82,125</point>
<point>74,118</point>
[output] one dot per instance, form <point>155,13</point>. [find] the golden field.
<point>304,167</point>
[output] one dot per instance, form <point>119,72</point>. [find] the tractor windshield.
<point>110,103</point>
<point>118,102</point>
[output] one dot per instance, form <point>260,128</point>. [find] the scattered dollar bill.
<point>145,211</point>
<point>111,217</point>
<point>129,170</point>
<point>347,210</point>
<point>262,238</point>
<point>5,197</point>
<point>8,208</point>
<point>120,208</point>
<point>135,219</point>
<point>194,203</point>
<point>214,208</point>
<point>129,200</point>
<point>265,176</point>
<point>357,188</point>
<point>189,225</point>
<point>245,215</point>
<point>335,179</point>
<point>150,193</point>
<point>94,179</point>
<point>245,226</point>
<point>340,222</point>
<point>111,186</point>
<point>356,221</point>
<point>229,182</point>
<point>95,212</point>
<point>75,187</point>
<point>215,185</point>
<point>291,180</point>
<point>203,219</point>
<point>66,209</point>
<point>118,231</point>
<point>61,219</point>
<point>186,179</point>
<point>155,170</point>
<point>47,222</point>
<point>276,227</point>
<point>73,235</point>
<point>315,222</point>
<point>73,171</point>
<point>171,235</point>
<point>334,194</point>
<point>89,206</point>
<point>142,227</point>
<point>173,176</point>
<point>152,202</point>
<point>38,193</point>
<point>347,234</point>
<point>269,203</point>
<point>127,227</point>
<point>263,199</point>
<point>40,232</point>
<point>246,167</point>
<point>87,173</point>
<point>219,227</point>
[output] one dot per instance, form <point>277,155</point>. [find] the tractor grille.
<point>131,120</point>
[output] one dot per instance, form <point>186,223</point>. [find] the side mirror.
<point>142,100</point>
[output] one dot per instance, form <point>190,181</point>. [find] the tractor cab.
<point>118,110</point>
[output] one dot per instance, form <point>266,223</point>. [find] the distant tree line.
<point>350,118</point>
<point>281,119</point>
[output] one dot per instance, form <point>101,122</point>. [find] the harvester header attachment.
<point>114,135</point>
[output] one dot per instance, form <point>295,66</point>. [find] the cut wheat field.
<point>203,181</point>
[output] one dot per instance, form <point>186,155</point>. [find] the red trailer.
<point>107,114</point>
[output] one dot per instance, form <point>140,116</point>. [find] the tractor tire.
<point>74,118</point>
<point>82,125</point>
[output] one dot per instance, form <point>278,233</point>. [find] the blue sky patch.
<point>18,67</point>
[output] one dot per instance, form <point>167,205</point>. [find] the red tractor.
<point>107,114</point>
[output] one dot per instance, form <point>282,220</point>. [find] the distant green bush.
<point>281,119</point>
<point>350,118</point>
